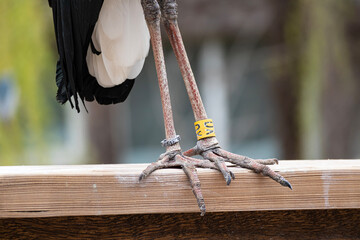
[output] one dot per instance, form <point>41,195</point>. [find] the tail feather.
<point>74,25</point>
<point>123,46</point>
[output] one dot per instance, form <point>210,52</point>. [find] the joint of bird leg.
<point>247,160</point>
<point>152,11</point>
<point>207,144</point>
<point>265,171</point>
<point>171,154</point>
<point>216,150</point>
<point>169,10</point>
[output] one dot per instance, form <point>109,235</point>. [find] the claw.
<point>141,177</point>
<point>285,183</point>
<point>202,210</point>
<point>228,179</point>
<point>232,175</point>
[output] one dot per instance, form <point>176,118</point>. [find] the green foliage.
<point>26,55</point>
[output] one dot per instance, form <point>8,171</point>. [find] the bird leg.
<point>173,156</point>
<point>152,16</point>
<point>208,147</point>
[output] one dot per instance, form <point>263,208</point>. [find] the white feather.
<point>122,37</point>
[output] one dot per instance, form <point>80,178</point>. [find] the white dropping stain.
<point>326,177</point>
<point>145,195</point>
<point>120,179</point>
<point>126,179</point>
<point>94,187</point>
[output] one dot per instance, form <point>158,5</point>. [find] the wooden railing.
<point>108,199</point>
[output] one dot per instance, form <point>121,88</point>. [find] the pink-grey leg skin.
<point>221,164</point>
<point>256,166</point>
<point>208,148</point>
<point>192,152</point>
<point>173,156</point>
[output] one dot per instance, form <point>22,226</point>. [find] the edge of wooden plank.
<point>78,190</point>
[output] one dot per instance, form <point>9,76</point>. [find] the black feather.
<point>61,95</point>
<point>74,24</point>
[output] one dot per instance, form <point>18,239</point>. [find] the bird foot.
<point>210,150</point>
<point>214,158</point>
<point>175,159</point>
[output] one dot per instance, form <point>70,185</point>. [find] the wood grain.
<point>283,225</point>
<point>45,191</point>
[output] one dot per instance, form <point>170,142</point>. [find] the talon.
<point>141,177</point>
<point>202,210</point>
<point>228,179</point>
<point>286,183</point>
<point>232,175</point>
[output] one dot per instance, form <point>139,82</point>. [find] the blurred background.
<point>279,78</point>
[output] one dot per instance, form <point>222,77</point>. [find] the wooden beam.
<point>276,225</point>
<point>44,191</point>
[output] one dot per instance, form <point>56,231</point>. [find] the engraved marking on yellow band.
<point>204,129</point>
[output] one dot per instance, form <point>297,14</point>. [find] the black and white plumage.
<point>102,46</point>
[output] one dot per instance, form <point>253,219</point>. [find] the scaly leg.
<point>208,147</point>
<point>173,156</point>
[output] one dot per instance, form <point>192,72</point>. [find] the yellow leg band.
<point>204,129</point>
